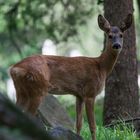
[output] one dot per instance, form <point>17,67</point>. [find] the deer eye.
<point>110,36</point>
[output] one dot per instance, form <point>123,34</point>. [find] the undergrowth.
<point>120,132</point>
<point>116,133</point>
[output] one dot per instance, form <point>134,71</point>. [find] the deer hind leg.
<point>79,109</point>
<point>22,98</point>
<point>29,100</point>
<point>89,103</point>
<point>22,101</point>
<point>34,103</point>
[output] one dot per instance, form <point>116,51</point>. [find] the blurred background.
<point>58,27</point>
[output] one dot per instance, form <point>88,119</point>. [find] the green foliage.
<point>58,19</point>
<point>118,133</point>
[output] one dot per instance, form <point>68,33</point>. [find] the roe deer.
<point>83,77</point>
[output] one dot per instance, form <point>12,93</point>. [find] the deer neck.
<point>108,59</point>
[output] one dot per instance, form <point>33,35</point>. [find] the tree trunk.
<point>121,92</point>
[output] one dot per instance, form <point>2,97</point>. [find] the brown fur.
<point>84,77</point>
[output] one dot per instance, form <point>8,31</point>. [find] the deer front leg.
<point>79,109</point>
<point>89,103</point>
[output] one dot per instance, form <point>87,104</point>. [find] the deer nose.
<point>116,46</point>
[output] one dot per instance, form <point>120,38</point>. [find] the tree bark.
<point>121,91</point>
<point>138,67</point>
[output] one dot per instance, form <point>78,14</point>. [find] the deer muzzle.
<point>116,46</point>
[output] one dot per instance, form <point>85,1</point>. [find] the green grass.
<point>118,133</point>
<point>110,134</point>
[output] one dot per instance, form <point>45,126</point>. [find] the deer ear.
<point>103,23</point>
<point>126,23</point>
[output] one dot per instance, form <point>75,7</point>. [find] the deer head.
<point>114,33</point>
